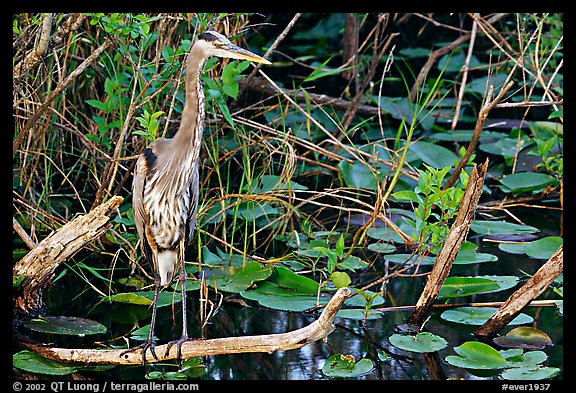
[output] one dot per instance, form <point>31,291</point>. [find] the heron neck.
<point>189,135</point>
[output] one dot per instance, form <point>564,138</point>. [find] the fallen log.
<point>38,266</point>
<point>267,343</point>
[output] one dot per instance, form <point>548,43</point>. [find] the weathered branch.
<point>524,295</point>
<point>454,240</point>
<point>39,265</point>
<point>267,343</point>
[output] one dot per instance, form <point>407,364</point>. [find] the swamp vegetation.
<point>347,163</point>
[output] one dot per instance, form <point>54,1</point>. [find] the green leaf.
<point>530,373</point>
<point>477,355</point>
<point>524,337</point>
<point>538,249</point>
<point>405,195</point>
<point>251,211</point>
<point>382,248</point>
<point>240,279</point>
<point>528,359</point>
<point>359,314</point>
<point>468,255</point>
<point>485,227</point>
<point>526,181</point>
<point>345,366</point>
<point>466,286</point>
<point>73,326</point>
<point>128,298</point>
<point>34,363</point>
<point>432,154</point>
<point>340,279</point>
<point>479,315</point>
<point>421,342</point>
<point>357,175</point>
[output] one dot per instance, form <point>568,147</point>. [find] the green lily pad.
<point>352,263</point>
<point>345,366</point>
<point>477,355</point>
<point>526,181</point>
<point>517,358</point>
<point>251,211</point>
<point>274,183</point>
<point>165,298</point>
<point>485,227</point>
<point>285,290</point>
<point>479,315</point>
<point>465,286</point>
<point>468,255</point>
<point>73,326</point>
<point>421,342</point>
<point>537,249</point>
<point>385,234</point>
<point>530,373</point>
<point>382,248</point>
<point>357,175</point>
<point>240,279</point>
<point>359,314</point>
<point>434,155</point>
<point>410,259</point>
<point>524,337</point>
<point>32,362</point>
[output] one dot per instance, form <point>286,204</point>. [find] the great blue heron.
<point>166,185</point>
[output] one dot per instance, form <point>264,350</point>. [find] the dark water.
<point>351,337</point>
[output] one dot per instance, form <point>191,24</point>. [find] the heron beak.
<point>235,52</point>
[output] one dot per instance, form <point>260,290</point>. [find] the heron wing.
<point>193,192</point>
<point>140,217</point>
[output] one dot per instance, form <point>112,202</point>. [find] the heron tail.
<point>167,260</point>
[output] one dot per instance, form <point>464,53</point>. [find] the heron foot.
<point>179,346</point>
<point>144,347</point>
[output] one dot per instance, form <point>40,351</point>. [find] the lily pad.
<point>410,259</point>
<point>524,337</point>
<point>165,298</point>
<point>357,175</point>
<point>274,183</point>
<point>345,366</point>
<point>285,290</point>
<point>241,279</point>
<point>421,342</point>
<point>468,255</point>
<point>530,373</point>
<point>432,154</point>
<point>359,314</point>
<point>517,358</point>
<point>537,249</point>
<point>382,248</point>
<point>477,355</point>
<point>465,286</point>
<point>73,326</point>
<point>486,227</point>
<point>526,181</point>
<point>479,315</point>
<point>384,233</point>
<point>32,362</point>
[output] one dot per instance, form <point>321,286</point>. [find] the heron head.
<point>215,44</point>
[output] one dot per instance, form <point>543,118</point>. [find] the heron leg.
<point>184,336</point>
<point>151,343</point>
